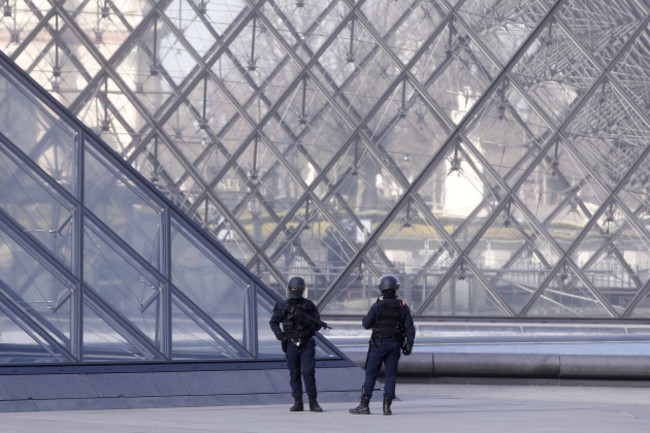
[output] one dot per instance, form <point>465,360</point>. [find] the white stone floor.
<point>420,408</point>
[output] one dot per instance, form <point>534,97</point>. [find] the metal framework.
<point>491,153</point>
<point>96,266</point>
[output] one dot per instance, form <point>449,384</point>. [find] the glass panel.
<point>103,342</point>
<point>32,287</point>
<point>455,71</point>
<point>354,293</point>
<point>39,133</point>
<point>196,339</point>
<point>209,282</point>
<point>462,193</point>
<point>18,343</point>
<point>267,345</point>
<point>503,36</point>
<point>508,132</point>
<point>614,256</point>
<point>413,242</point>
<point>554,72</point>
<point>463,295</point>
<point>562,194</point>
<point>121,281</point>
<point>38,209</point>
<point>608,135</point>
<point>567,296</point>
<point>270,123</point>
<point>405,117</point>
<point>122,205</point>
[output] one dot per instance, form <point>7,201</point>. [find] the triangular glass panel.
<point>105,341</point>
<point>121,280</point>
<point>38,208</point>
<point>34,288</point>
<point>20,344</point>
<point>209,282</point>
<point>195,337</point>
<point>209,216</point>
<point>566,296</point>
<point>462,294</point>
<point>39,133</point>
<point>132,214</point>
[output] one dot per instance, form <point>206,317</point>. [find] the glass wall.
<point>491,154</point>
<point>96,266</point>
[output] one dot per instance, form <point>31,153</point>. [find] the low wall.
<point>545,366</point>
<point>69,391</point>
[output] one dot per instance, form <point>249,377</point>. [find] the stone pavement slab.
<point>420,408</point>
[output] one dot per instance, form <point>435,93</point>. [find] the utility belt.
<point>376,338</point>
<point>300,341</point>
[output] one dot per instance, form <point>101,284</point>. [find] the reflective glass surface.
<point>96,266</point>
<point>491,154</point>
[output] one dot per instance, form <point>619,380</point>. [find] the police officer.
<point>300,321</point>
<point>393,333</point>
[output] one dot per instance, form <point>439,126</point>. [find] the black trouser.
<point>302,359</point>
<point>382,351</point>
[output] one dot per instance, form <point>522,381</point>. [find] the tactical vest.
<point>388,323</point>
<point>291,325</point>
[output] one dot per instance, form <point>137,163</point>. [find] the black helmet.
<point>388,284</point>
<point>296,287</point>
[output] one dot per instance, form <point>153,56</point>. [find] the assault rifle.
<point>300,315</point>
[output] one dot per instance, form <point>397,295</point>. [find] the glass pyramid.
<point>492,154</point>
<point>97,266</point>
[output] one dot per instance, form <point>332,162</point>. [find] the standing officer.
<point>392,331</point>
<point>300,321</point>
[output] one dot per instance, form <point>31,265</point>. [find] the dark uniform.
<point>393,333</point>
<point>300,321</point>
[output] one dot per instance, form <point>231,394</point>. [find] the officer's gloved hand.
<point>279,335</point>
<point>406,350</point>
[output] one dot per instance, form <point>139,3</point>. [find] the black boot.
<point>314,406</point>
<point>387,402</point>
<point>297,405</point>
<point>363,408</point>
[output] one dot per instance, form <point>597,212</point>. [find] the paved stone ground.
<point>421,408</point>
